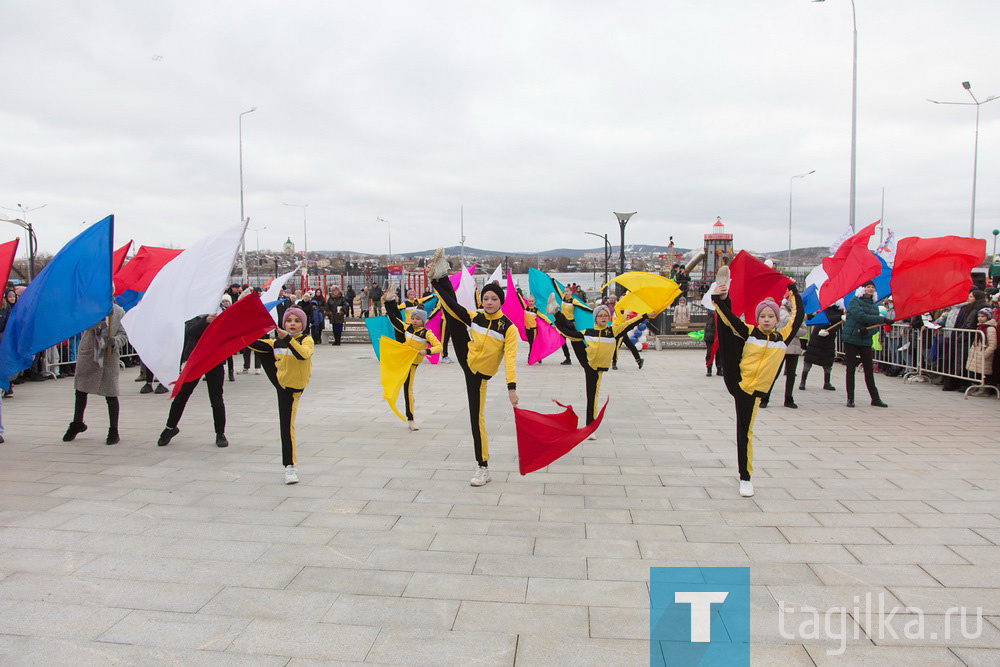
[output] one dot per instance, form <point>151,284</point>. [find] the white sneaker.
<point>553,305</point>
<point>482,476</point>
<point>243,371</point>
<point>256,371</point>
<point>291,475</point>
<point>591,437</point>
<point>447,360</point>
<point>412,426</point>
<point>438,267</point>
<point>746,488</point>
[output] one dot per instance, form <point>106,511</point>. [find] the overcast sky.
<point>541,118</point>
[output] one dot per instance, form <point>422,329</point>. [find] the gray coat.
<point>97,368</point>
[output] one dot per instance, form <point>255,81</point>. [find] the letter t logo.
<point>701,611</point>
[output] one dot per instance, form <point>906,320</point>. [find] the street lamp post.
<point>623,219</point>
<point>607,256</point>
<point>388,228</point>
<point>305,234</point>
<point>975,154</point>
<point>790,181</point>
<point>257,231</point>
<point>32,241</point>
<point>243,218</point>
<point>854,112</point>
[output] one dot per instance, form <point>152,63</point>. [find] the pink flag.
<point>513,308</point>
<point>547,341</point>
<point>434,326</point>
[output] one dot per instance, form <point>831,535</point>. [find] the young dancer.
<point>482,338</point>
<point>97,372</point>
<point>287,362</point>
<point>751,356</point>
<point>567,305</point>
<point>611,302</point>
<point>215,379</point>
<point>416,336</point>
<point>595,348</point>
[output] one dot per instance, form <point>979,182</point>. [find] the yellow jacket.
<point>763,351</point>
<point>292,358</point>
<point>601,343</point>
<point>422,339</point>
<point>493,337</point>
<point>530,317</point>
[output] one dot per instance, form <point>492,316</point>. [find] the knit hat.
<point>227,300</point>
<point>298,312</point>
<point>988,312</point>
<point>867,283</point>
<point>767,303</point>
<point>492,288</point>
<point>600,308</point>
<point>419,312</point>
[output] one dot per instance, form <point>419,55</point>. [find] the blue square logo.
<point>699,616</point>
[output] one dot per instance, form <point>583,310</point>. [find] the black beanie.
<point>492,288</point>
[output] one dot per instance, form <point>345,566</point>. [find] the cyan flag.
<point>541,285</point>
<point>378,327</point>
<point>71,294</point>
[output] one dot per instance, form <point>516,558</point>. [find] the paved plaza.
<point>193,555</point>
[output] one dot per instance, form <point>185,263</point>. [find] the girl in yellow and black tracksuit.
<point>481,341</point>
<point>287,362</point>
<point>419,338</point>
<point>595,348</point>
<point>751,357</point>
<point>567,307</point>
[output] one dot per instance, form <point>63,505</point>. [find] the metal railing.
<point>926,353</point>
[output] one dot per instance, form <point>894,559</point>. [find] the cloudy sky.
<point>540,118</point>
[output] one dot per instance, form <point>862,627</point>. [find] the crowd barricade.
<point>59,360</point>
<point>928,352</point>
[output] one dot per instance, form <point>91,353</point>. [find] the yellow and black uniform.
<point>287,362</point>
<point>595,349</point>
<point>481,342</point>
<point>751,358</point>
<point>620,317</point>
<point>420,339</point>
<point>411,304</point>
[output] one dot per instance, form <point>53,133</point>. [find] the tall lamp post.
<point>388,228</point>
<point>622,221</point>
<point>32,241</point>
<point>854,112</point>
<point>975,154</point>
<point>790,181</point>
<point>243,217</point>
<point>607,256</point>
<point>256,273</point>
<point>305,234</point>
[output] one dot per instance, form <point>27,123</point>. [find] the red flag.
<point>752,281</point>
<point>7,252</point>
<point>236,327</point>
<point>542,439</point>
<point>141,269</point>
<point>851,266</point>
<point>932,273</point>
<point>119,258</point>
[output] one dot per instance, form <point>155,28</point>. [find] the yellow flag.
<point>649,293</point>
<point>395,360</point>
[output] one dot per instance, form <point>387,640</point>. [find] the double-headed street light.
<point>243,218</point>
<point>790,181</point>
<point>975,154</point>
<point>32,241</point>
<point>607,256</point>
<point>623,219</point>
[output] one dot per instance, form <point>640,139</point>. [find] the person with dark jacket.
<point>214,379</point>
<point>9,300</point>
<point>709,341</point>
<point>337,307</point>
<point>822,348</point>
<point>350,295</point>
<point>860,325</point>
<point>967,319</point>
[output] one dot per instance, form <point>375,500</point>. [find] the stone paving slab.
<point>382,554</point>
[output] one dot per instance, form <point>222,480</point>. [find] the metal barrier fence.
<point>927,353</point>
<point>57,360</point>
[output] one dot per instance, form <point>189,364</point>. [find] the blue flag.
<point>378,327</point>
<point>71,294</point>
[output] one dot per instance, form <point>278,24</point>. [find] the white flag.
<point>272,292</point>
<point>497,275</point>
<point>466,292</point>
<point>191,284</point>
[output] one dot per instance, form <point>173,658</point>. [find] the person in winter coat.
<point>97,372</point>
<point>981,355</point>
<point>967,319</point>
<point>681,313</point>
<point>9,299</point>
<point>709,341</point>
<point>860,325</point>
<point>350,295</point>
<point>365,302</point>
<point>822,348</point>
<point>337,307</point>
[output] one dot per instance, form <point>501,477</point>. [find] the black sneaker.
<point>641,362</point>
<point>708,373</point>
<point>790,404</point>
<point>566,362</point>
<point>74,429</point>
<point>160,389</point>
<point>614,367</point>
<point>829,387</point>
<point>879,404</point>
<point>763,404</point>
<point>167,434</point>
<point>220,440</point>
<point>113,438</point>
<point>850,402</point>
<point>146,389</point>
